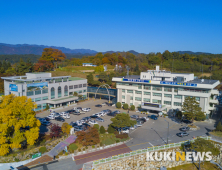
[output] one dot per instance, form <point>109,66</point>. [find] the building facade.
<point>44,89</point>
<point>88,64</point>
<point>162,90</point>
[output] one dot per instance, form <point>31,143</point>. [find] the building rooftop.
<point>75,78</point>
<point>203,81</point>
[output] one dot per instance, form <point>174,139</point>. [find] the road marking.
<point>150,144</point>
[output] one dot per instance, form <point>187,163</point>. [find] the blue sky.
<point>103,25</point>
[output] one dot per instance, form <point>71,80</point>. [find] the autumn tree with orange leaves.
<point>88,137</point>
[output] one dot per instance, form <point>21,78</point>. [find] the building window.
<point>44,105</point>
<point>70,87</point>
<point>177,104</point>
<point>177,96</point>
<point>45,98</point>
<point>80,85</point>
<point>156,101</point>
<point>58,80</point>
<point>75,86</point>
<point>157,88</point>
<point>197,99</point>
<point>131,104</point>
<point>129,91</point>
<point>71,93</point>
<point>146,93</point>
<point>59,91</point>
<point>44,91</point>
<point>138,98</point>
<point>123,90</point>
<point>139,86</point>
<point>33,100</point>
<point>52,93</point>
<point>39,107</point>
<point>84,85</point>
<point>193,90</point>
<point>30,93</point>
<point>175,89</point>
<point>80,91</point>
<point>38,92</point>
<point>168,89</point>
<point>123,97</point>
<point>146,100</point>
<point>138,92</point>
<point>147,87</point>
<point>157,94</point>
<point>167,102</point>
<point>84,91</point>
<point>38,99</point>
<point>131,97</point>
<point>66,91</point>
<point>168,95</point>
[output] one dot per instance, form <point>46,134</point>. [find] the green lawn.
<point>206,166</point>
<point>216,133</point>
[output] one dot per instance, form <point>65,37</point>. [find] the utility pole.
<point>167,132</point>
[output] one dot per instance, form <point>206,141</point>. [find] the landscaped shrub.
<point>108,141</point>
<point>79,150</point>
<point>96,126</point>
<point>219,127</point>
<point>118,105</point>
<point>83,149</point>
<point>111,129</point>
<point>117,141</point>
<point>102,130</point>
<point>101,144</point>
<point>132,107</point>
<point>42,149</point>
<point>73,147</point>
<point>93,146</point>
<point>122,136</point>
<point>86,147</point>
<point>125,106</point>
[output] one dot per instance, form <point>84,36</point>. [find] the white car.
<point>125,131</point>
<point>85,109</point>
<point>51,117</point>
<point>65,115</point>
<point>103,104</point>
<point>146,118</point>
<point>54,114</point>
<point>133,127</point>
<point>89,109</point>
<point>93,122</point>
<point>78,122</point>
<point>97,114</point>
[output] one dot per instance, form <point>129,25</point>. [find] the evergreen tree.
<point>4,65</point>
<point>102,130</point>
<point>90,79</point>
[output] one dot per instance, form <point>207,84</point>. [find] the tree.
<point>47,106</point>
<point>125,106</point>
<point>219,127</point>
<point>96,126</point>
<point>110,129</point>
<point>55,131</point>
<point>73,147</point>
<point>122,120</point>
<point>103,77</point>
<point>43,65</point>
<point>102,130</point>
<point>200,116</point>
<point>191,108</point>
<point>75,93</point>
<point>179,115</point>
<point>52,55</point>
<point>90,78</point>
<point>118,105</point>
<point>202,145</point>
<point>99,69</point>
<point>88,137</point>
<point>24,67</point>
<point>132,107</point>
<point>66,128</point>
<point>17,113</point>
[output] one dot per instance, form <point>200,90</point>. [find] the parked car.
<point>141,119</point>
<point>46,118</point>
<point>55,114</point>
<point>186,128</point>
<point>187,121</point>
<point>154,117</point>
<point>100,119</point>
<point>110,104</point>
<point>117,111</point>
<point>146,118</point>
<point>73,124</point>
<point>78,122</point>
<point>41,119</point>
<point>94,116</point>
<point>93,122</point>
<point>182,134</point>
<point>85,109</point>
<point>78,128</point>
<point>98,105</point>
<point>51,117</point>
<point>45,123</point>
<point>60,119</point>
<point>134,116</point>
<point>133,127</point>
<point>79,108</point>
<point>85,126</point>
<point>125,130</point>
<point>108,111</point>
<point>70,111</point>
<point>103,104</point>
<point>139,123</point>
<point>65,115</point>
<point>98,114</point>
<point>82,112</point>
<point>77,113</point>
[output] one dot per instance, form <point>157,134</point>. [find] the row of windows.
<point>166,89</point>
<point>40,99</point>
<point>77,86</point>
<point>37,92</point>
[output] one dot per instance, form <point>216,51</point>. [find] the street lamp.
<point>167,132</point>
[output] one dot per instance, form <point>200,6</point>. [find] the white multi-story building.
<point>44,89</point>
<point>162,90</point>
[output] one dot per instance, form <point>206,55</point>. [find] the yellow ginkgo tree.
<point>16,114</point>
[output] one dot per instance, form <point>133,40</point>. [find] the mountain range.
<point>37,50</point>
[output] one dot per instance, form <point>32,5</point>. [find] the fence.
<point>141,151</point>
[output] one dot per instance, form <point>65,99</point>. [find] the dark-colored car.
<point>154,117</point>
<point>60,119</point>
<point>98,105</point>
<point>186,128</point>
<point>109,104</point>
<point>187,121</point>
<point>134,116</point>
<point>70,111</point>
<point>182,134</point>
<point>79,108</point>
<point>77,113</point>
<point>46,118</point>
<point>73,124</point>
<point>94,116</point>
<point>141,119</point>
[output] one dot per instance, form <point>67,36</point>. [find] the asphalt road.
<point>152,133</point>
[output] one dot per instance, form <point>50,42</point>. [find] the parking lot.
<point>87,104</point>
